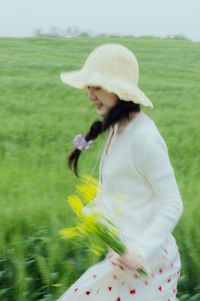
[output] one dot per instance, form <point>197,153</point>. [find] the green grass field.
<point>39,118</point>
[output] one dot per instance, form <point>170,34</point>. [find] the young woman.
<point>137,187</point>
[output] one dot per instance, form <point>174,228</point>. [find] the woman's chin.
<point>101,112</point>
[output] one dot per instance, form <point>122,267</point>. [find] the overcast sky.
<point>21,18</point>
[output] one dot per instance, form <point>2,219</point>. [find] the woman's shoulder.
<point>143,125</point>
<point>144,131</point>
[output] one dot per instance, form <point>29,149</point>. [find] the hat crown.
<point>112,67</point>
<point>113,60</point>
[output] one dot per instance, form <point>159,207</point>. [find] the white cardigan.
<point>139,192</point>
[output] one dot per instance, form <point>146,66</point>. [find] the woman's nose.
<point>91,93</point>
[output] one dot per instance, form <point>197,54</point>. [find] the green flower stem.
<point>115,243</point>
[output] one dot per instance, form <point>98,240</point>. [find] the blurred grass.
<point>39,118</point>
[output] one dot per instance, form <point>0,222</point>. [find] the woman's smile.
<point>102,99</point>
<point>99,106</point>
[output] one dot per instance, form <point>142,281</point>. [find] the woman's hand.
<point>131,259</point>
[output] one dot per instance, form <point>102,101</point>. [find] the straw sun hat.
<point>112,67</point>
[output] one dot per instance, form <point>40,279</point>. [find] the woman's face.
<point>102,99</point>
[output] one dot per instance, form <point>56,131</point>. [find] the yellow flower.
<point>81,228</point>
<point>76,204</point>
<point>68,233</point>
<point>90,179</point>
<point>88,193</point>
<point>89,219</point>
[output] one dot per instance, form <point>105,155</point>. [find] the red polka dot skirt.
<point>110,281</point>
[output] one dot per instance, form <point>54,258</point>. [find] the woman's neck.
<point>121,124</point>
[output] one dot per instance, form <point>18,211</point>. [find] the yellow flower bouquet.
<point>99,231</point>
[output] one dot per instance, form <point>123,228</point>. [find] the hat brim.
<point>81,79</point>
<point>73,78</point>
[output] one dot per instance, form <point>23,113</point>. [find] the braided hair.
<point>121,111</point>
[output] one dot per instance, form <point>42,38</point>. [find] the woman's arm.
<point>150,156</point>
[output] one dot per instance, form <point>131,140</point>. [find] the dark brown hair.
<point>121,111</point>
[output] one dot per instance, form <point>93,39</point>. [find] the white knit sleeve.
<point>152,162</point>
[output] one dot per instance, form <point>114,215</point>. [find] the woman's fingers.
<point>131,259</point>
<point>110,253</point>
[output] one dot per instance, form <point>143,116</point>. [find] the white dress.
<point>140,195</point>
